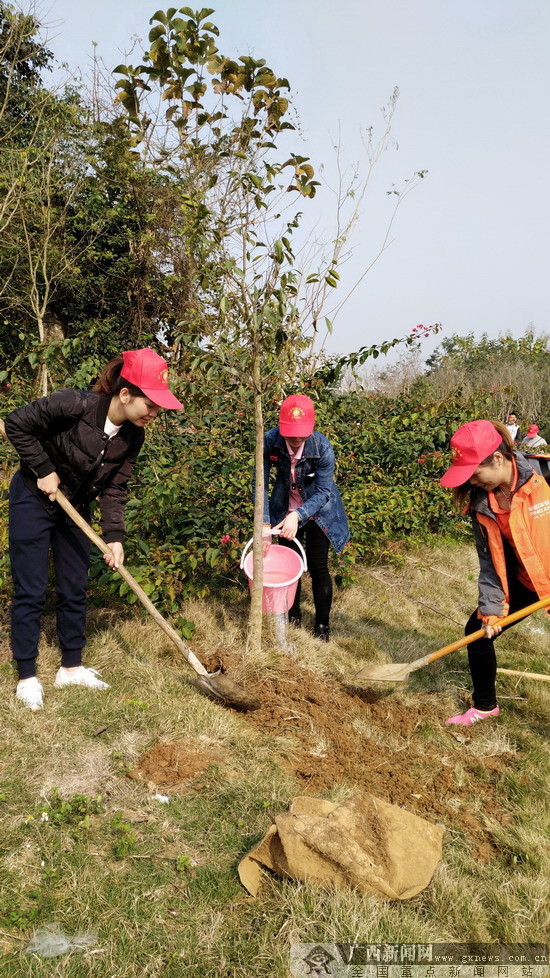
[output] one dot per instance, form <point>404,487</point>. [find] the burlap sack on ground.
<point>364,842</point>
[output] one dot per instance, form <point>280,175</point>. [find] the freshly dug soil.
<point>381,742</point>
<point>177,766</point>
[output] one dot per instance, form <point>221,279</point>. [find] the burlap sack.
<point>364,842</point>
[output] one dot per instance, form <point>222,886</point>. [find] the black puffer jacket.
<point>64,434</point>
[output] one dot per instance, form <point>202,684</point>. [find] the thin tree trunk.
<point>43,380</point>
<point>42,377</point>
<point>255,621</point>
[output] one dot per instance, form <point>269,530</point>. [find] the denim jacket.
<point>314,481</point>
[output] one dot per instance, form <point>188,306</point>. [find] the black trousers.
<point>33,530</point>
<point>316,548</point>
<point>481,654</point>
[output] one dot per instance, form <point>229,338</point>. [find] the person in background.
<point>507,496</point>
<point>87,443</point>
<point>512,427</point>
<point>532,439</point>
<point>304,503</point>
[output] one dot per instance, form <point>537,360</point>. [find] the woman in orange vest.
<point>507,495</point>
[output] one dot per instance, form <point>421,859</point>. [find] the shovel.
<point>399,672</point>
<point>216,685</point>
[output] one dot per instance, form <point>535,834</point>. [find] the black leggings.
<point>316,547</point>
<point>481,654</point>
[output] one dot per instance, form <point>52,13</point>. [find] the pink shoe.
<point>472,716</point>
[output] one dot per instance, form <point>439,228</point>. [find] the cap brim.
<point>164,399</point>
<point>457,475</point>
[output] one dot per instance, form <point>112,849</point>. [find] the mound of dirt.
<point>178,765</point>
<point>381,743</point>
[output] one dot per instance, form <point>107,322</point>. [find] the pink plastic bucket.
<point>283,569</point>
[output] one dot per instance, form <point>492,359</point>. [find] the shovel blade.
<point>394,672</point>
<point>224,690</point>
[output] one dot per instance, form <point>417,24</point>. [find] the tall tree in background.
<point>221,137</point>
<point>90,254</point>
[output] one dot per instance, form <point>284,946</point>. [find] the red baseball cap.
<point>146,370</point>
<point>470,446</point>
<point>297,416</point>
<point>532,430</point>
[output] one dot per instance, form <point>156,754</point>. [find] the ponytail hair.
<point>461,494</point>
<point>111,381</point>
<point>506,446</point>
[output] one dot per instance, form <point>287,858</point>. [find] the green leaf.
<point>186,627</point>
<point>328,324</point>
<point>156,32</point>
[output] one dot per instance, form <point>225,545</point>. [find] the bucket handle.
<point>275,533</point>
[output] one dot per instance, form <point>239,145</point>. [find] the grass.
<point>89,847</point>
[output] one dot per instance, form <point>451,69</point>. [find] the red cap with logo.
<point>146,370</point>
<point>532,430</point>
<point>297,416</point>
<point>470,446</point>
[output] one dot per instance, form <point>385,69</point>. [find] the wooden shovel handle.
<point>508,620</point>
<point>525,675</point>
<point>131,581</point>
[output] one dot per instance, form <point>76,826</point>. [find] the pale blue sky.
<point>472,244</point>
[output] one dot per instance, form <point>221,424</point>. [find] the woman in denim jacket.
<point>305,502</point>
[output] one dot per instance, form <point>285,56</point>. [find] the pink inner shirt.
<point>294,500</point>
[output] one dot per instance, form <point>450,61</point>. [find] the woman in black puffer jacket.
<point>86,442</point>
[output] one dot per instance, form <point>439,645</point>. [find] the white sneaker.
<point>80,677</point>
<point>30,692</point>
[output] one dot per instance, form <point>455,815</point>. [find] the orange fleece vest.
<point>530,529</point>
